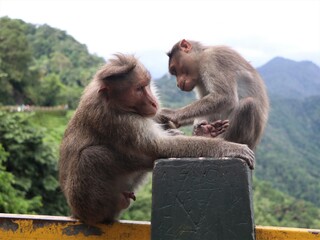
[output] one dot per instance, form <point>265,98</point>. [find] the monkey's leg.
<point>125,197</point>
<point>245,124</point>
<point>94,186</point>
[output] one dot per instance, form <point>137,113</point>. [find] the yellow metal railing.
<point>13,226</point>
<point>37,227</point>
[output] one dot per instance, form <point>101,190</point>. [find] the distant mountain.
<point>291,79</point>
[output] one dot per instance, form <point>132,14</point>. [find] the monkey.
<point>227,87</point>
<point>112,142</point>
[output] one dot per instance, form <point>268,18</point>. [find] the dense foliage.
<point>12,200</point>
<point>40,65</point>
<point>44,66</point>
<point>30,165</point>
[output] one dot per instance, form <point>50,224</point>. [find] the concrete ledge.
<point>203,199</point>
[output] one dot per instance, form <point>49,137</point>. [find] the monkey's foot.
<point>214,129</point>
<point>129,195</point>
<point>124,201</point>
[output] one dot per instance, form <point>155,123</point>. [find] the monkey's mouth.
<point>182,86</point>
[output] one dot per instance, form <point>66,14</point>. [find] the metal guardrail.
<point>39,227</point>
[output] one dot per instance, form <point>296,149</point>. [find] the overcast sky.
<point>259,30</point>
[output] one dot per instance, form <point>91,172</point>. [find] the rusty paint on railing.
<point>282,233</point>
<point>15,226</point>
<point>36,227</point>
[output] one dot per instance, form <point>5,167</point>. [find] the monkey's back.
<point>233,76</point>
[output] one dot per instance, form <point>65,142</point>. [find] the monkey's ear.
<point>104,90</point>
<point>185,46</point>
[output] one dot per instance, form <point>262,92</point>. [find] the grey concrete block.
<point>202,199</point>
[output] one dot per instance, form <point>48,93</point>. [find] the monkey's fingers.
<point>247,155</point>
<point>250,160</point>
<point>217,124</point>
<point>225,121</point>
<point>217,132</point>
<point>225,125</point>
<point>172,125</point>
<point>220,124</point>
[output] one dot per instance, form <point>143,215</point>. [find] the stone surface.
<point>205,199</point>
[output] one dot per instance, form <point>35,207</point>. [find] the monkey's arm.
<point>182,146</point>
<point>209,104</point>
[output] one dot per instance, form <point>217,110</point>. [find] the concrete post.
<point>202,199</point>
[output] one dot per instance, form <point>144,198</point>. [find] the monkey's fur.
<point>227,86</point>
<point>107,150</point>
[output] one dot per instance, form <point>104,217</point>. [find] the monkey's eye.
<point>173,71</point>
<point>140,88</point>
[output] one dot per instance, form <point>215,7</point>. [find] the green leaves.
<point>30,166</point>
<point>41,65</point>
<point>13,200</point>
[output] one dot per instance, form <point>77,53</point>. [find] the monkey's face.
<point>135,97</point>
<point>185,68</point>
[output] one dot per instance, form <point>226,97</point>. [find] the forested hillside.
<point>40,65</point>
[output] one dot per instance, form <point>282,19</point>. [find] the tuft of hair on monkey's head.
<point>117,67</point>
<point>196,47</point>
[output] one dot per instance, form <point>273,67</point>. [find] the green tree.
<point>42,65</point>
<point>15,59</point>
<point>32,162</point>
<point>275,208</point>
<point>47,92</point>
<point>12,200</point>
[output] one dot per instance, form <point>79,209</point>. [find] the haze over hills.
<point>290,79</point>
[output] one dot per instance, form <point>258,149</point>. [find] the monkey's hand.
<point>167,117</point>
<point>242,151</point>
<point>213,129</point>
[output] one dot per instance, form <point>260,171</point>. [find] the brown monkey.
<point>227,86</point>
<point>112,141</point>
